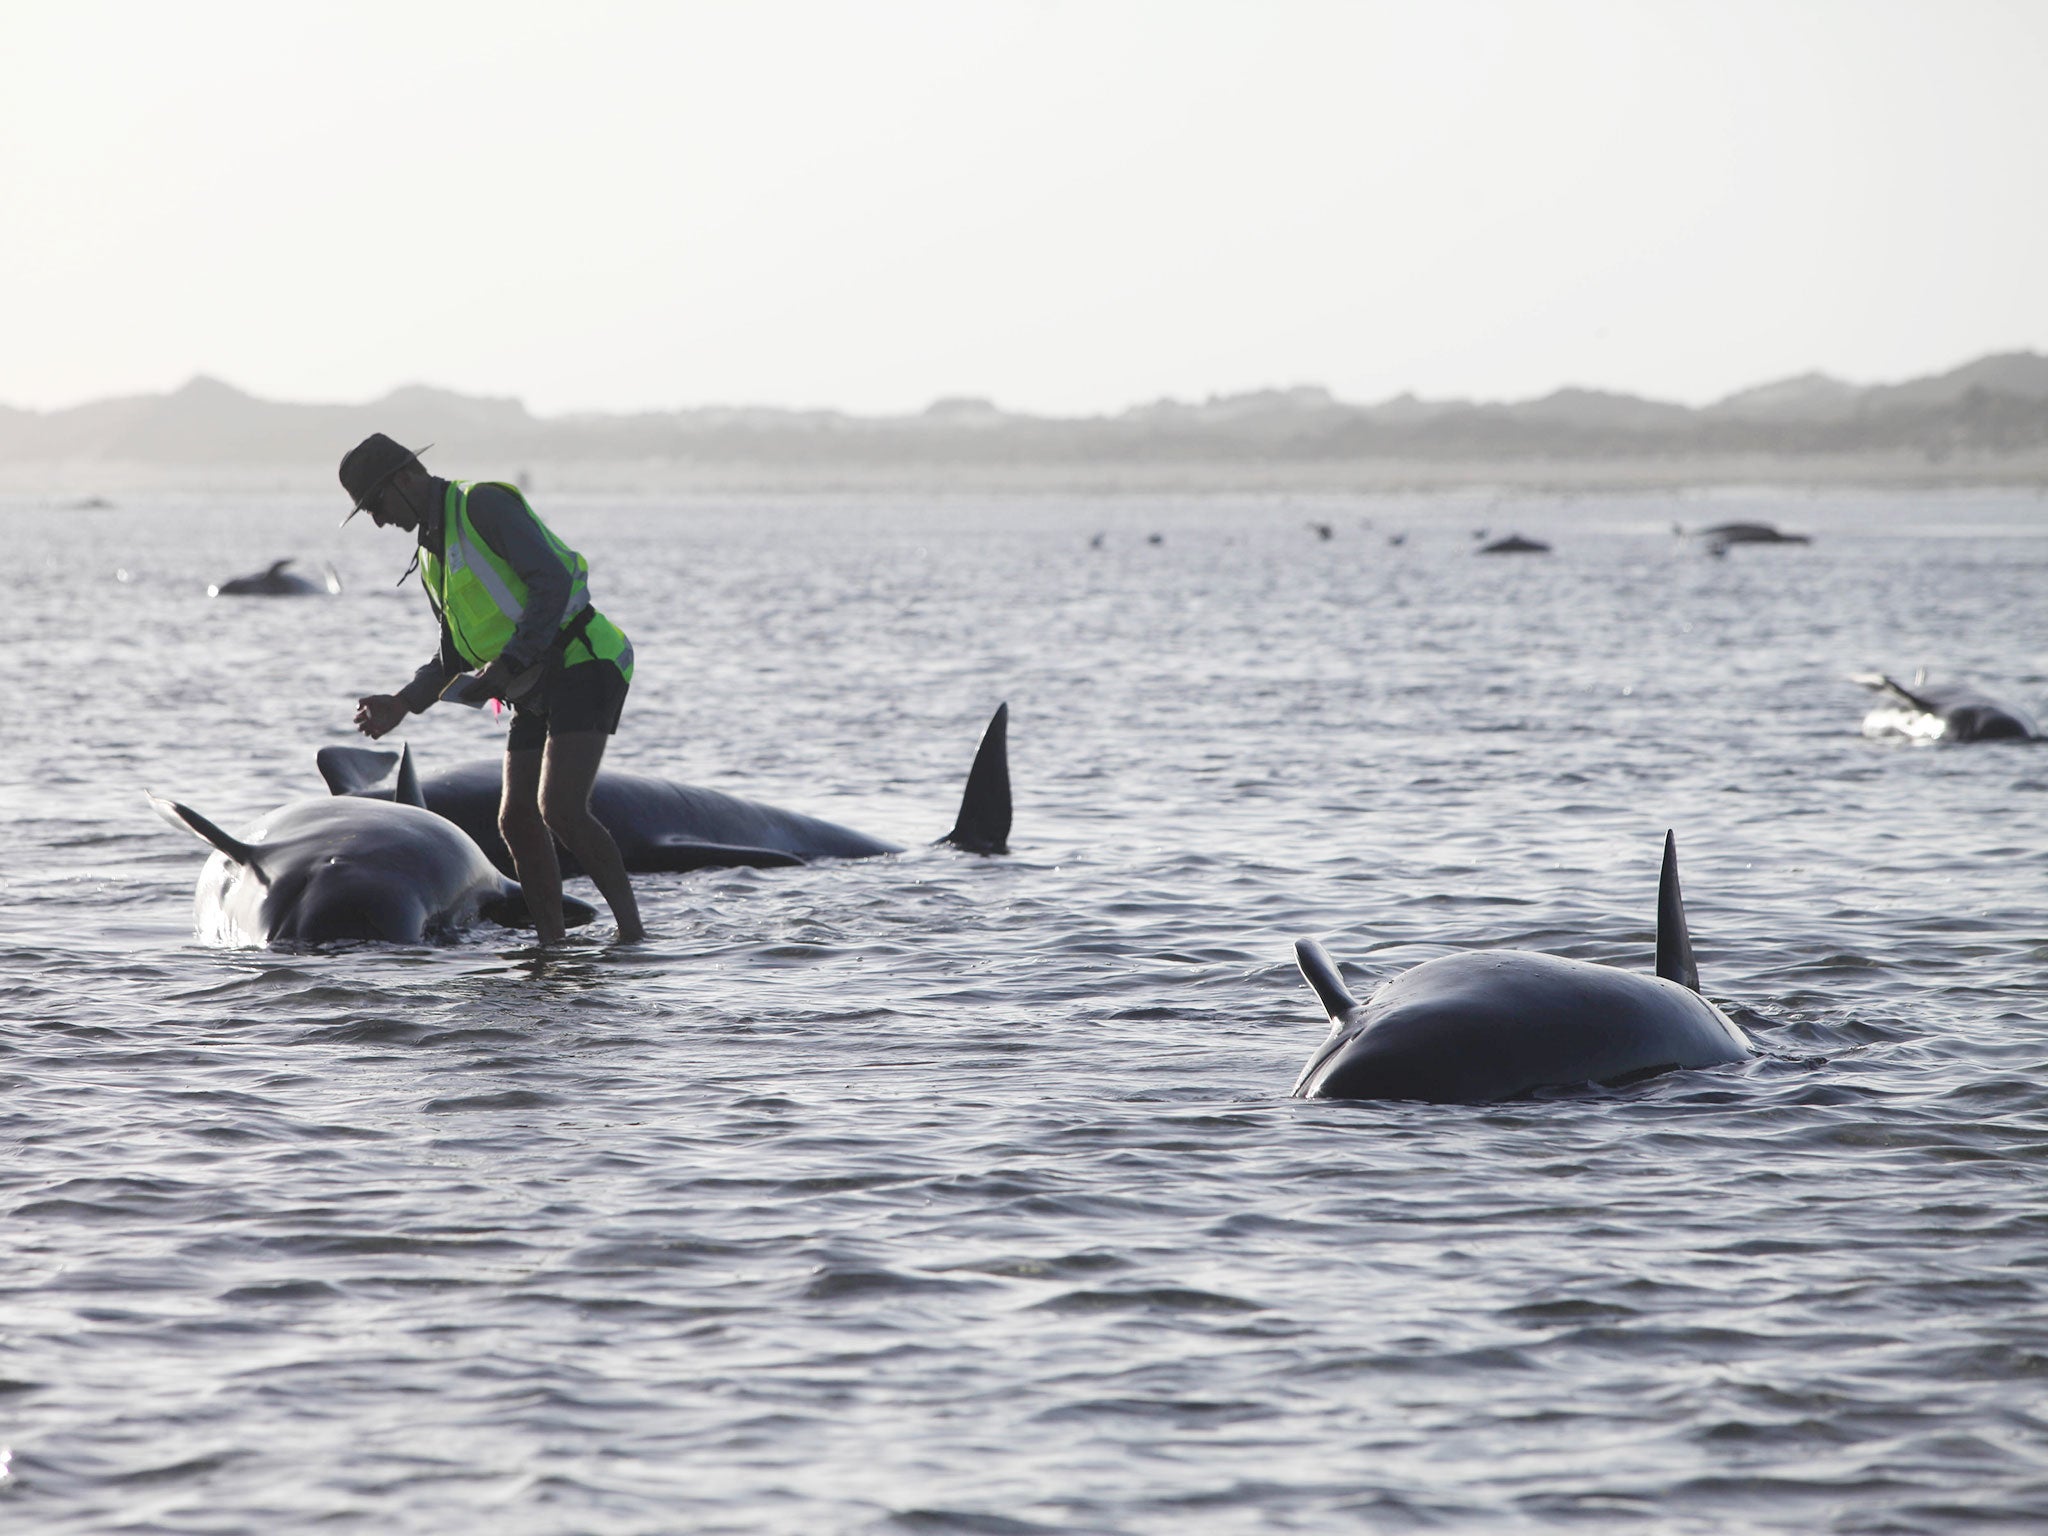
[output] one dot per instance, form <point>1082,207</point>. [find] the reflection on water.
<point>941,1193</point>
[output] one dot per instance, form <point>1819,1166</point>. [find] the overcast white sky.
<point>1066,205</point>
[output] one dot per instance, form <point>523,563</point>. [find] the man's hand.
<point>379,713</point>
<point>493,679</point>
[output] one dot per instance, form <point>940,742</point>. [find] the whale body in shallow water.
<point>276,582</point>
<point>1943,712</point>
<point>1497,1024</point>
<point>663,826</point>
<point>1724,534</point>
<point>321,870</point>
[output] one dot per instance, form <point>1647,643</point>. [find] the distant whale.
<point>322,870</point>
<point>1515,544</point>
<point>1943,712</point>
<point>276,582</point>
<point>663,826</point>
<point>1749,533</point>
<point>1716,538</point>
<point>1495,1024</point>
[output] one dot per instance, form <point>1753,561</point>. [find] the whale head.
<point>335,869</point>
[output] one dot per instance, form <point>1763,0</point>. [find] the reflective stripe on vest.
<point>477,594</point>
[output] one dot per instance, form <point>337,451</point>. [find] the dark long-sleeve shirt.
<point>503,523</point>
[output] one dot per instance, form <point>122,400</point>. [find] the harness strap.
<point>574,631</point>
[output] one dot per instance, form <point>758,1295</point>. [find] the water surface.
<point>945,1194</point>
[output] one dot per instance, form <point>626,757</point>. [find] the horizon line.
<point>967,399</point>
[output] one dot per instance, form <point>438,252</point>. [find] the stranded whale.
<point>1720,537</point>
<point>1494,1024</point>
<point>1515,544</point>
<point>276,582</point>
<point>663,826</point>
<point>1724,534</point>
<point>321,870</point>
<point>1943,712</point>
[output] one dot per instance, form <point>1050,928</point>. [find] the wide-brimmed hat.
<point>365,467</point>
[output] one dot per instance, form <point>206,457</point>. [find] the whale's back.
<point>1495,1024</point>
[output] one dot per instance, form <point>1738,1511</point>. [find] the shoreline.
<point>1689,473</point>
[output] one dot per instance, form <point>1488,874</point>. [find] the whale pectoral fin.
<point>191,821</point>
<point>983,825</point>
<point>408,791</point>
<point>1674,941</point>
<point>353,770</point>
<point>1898,690</point>
<point>510,911</point>
<point>1320,972</point>
<point>680,855</point>
<point>507,911</point>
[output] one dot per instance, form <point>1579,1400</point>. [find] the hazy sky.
<point>1069,207</point>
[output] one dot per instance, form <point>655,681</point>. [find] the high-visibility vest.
<point>477,594</point>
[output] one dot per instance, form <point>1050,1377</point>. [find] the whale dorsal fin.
<point>408,791</point>
<point>277,566</point>
<point>232,847</point>
<point>352,770</point>
<point>1321,973</point>
<point>983,825</point>
<point>1674,942</point>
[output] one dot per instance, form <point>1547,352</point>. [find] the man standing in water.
<point>514,603</point>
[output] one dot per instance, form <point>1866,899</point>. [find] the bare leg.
<point>533,850</point>
<point>568,773</point>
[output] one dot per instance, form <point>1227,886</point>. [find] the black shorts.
<point>586,697</point>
